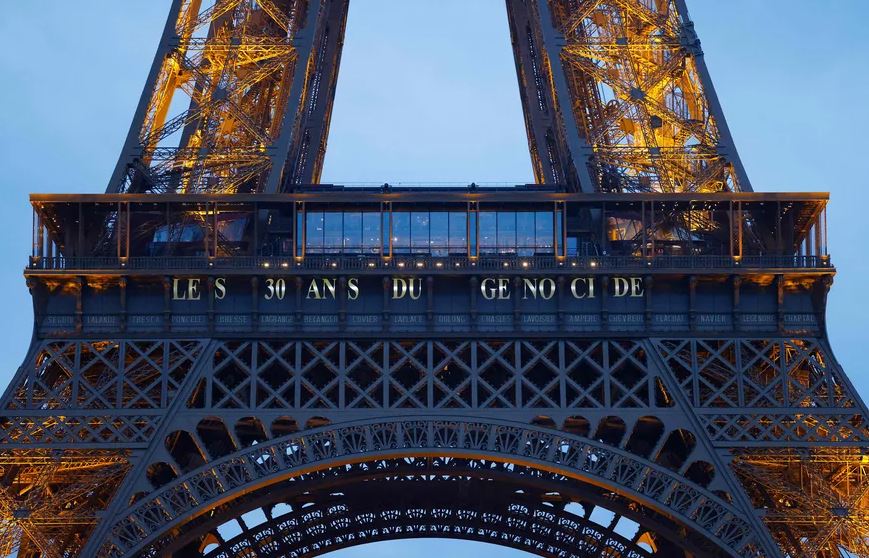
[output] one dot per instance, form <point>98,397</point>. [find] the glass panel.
<point>506,232</point>
<point>419,233</point>
<point>333,238</point>
<point>370,232</point>
<point>401,232</point>
<point>352,232</point>
<point>525,233</point>
<point>488,232</point>
<point>458,232</point>
<point>314,232</point>
<point>543,236</point>
<point>440,232</point>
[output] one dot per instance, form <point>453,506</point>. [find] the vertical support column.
<point>692,301</point>
<point>79,303</point>
<point>818,238</point>
<point>122,287</point>
<point>517,303</point>
<point>780,301</point>
<point>649,283</point>
<point>210,315</point>
<point>386,295</point>
<point>736,281</point>
<point>429,298</point>
<point>475,284</point>
<point>299,289</point>
<point>254,303</point>
<point>167,303</point>
<point>739,224</point>
<point>562,283</point>
<point>342,301</point>
<point>38,236</point>
<point>119,231</point>
<point>604,302</point>
<point>127,230</point>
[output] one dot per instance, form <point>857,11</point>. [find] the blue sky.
<point>428,93</point>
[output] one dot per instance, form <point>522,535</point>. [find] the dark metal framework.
<point>628,358</point>
<point>616,98</point>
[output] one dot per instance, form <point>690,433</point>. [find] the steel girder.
<point>258,78</point>
<point>681,408</point>
<point>615,93</point>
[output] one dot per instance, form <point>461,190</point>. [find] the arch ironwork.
<point>198,355</point>
<point>448,497</point>
<point>220,481</point>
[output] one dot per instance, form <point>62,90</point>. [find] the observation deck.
<point>444,230</point>
<point>443,260</point>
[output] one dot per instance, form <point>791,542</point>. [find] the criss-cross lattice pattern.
<point>814,500</point>
<point>104,374</point>
<point>51,499</point>
<point>640,97</point>
<point>430,374</point>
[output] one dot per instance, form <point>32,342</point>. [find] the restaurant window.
<point>543,231</point>
<point>525,234</point>
<point>352,232</point>
<point>314,231</point>
<point>419,232</point>
<point>506,232</point>
<point>334,234</point>
<point>488,232</point>
<point>401,232</point>
<point>371,232</point>
<point>458,243</point>
<point>439,233</point>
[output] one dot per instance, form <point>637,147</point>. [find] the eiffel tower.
<point>627,358</point>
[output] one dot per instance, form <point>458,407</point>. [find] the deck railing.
<point>410,264</point>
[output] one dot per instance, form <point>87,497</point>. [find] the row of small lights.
<point>402,265</point>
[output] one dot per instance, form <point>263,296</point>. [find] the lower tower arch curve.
<point>513,461</point>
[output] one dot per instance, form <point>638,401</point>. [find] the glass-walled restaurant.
<point>434,233</point>
<point>353,225</point>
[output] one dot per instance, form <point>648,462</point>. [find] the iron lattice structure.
<point>627,358</point>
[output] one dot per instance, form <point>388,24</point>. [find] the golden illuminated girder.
<point>50,500</point>
<point>219,98</point>
<point>816,501</point>
<point>638,97</point>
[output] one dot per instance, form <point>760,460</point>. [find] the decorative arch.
<point>647,484</point>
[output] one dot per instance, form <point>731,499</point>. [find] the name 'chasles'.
<point>490,288</point>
